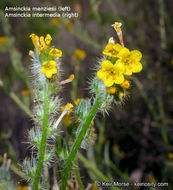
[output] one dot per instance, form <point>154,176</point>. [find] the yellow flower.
<point>94,186</point>
<point>54,21</point>
<point>25,92</point>
<point>111,40</point>
<point>71,77</point>
<point>111,74</point>
<point>92,126</point>
<point>68,106</point>
<point>42,40</point>
<point>80,54</point>
<point>125,84</point>
<point>121,94</point>
<point>67,120</point>
<point>76,102</point>
<point>131,60</point>
<point>20,187</point>
<point>42,47</point>
<point>112,50</point>
<point>35,40</point>
<point>55,52</point>
<point>111,90</point>
<point>172,61</point>
<point>31,53</point>
<point>170,156</point>
<point>152,179</point>
<point>49,68</point>
<point>69,26</point>
<point>3,39</point>
<point>117,26</point>
<point>48,39</point>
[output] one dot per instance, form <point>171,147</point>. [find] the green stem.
<point>162,24</point>
<point>146,99</point>
<point>78,176</point>
<point>153,111</point>
<point>86,38</point>
<point>119,172</point>
<point>21,104</point>
<point>101,136</point>
<point>96,14</point>
<point>16,100</point>
<point>17,171</point>
<point>78,142</point>
<point>43,139</point>
<point>97,172</point>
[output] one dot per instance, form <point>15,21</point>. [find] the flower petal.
<point>42,70</point>
<point>106,64</point>
<point>54,70</point>
<point>101,74</point>
<point>124,52</point>
<point>137,67</point>
<point>52,63</point>
<point>108,82</point>
<point>118,79</point>
<point>45,63</point>
<point>119,66</point>
<point>136,55</point>
<point>128,70</point>
<point>117,47</point>
<point>48,74</point>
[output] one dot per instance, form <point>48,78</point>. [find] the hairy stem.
<point>43,139</point>
<point>77,174</point>
<point>78,142</point>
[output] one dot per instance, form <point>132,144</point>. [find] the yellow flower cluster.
<point>42,46</point>
<point>120,63</point>
<point>79,54</point>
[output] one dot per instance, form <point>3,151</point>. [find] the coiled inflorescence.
<point>118,65</point>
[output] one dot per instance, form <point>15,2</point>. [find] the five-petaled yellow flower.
<point>49,68</point>
<point>112,50</point>
<point>111,74</point>
<point>131,60</point>
<point>55,52</point>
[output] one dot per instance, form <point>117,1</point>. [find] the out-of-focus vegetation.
<point>134,142</point>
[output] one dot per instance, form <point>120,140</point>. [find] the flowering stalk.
<point>110,85</point>
<point>43,139</point>
<point>79,140</point>
<point>45,68</point>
